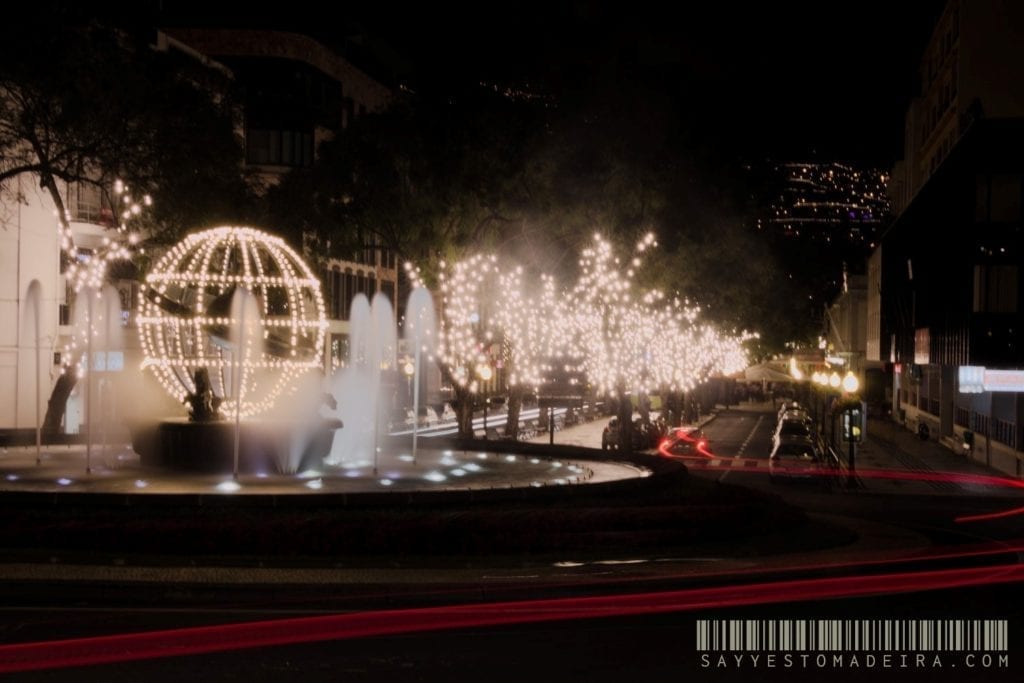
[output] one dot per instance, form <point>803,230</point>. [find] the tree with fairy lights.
<point>531,333</point>
<point>86,275</point>
<point>603,325</point>
<point>467,330</point>
<point>624,343</point>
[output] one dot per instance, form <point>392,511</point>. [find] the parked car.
<point>796,414</point>
<point>793,428</point>
<point>610,435</point>
<point>645,434</point>
<point>802,458</point>
<point>788,405</point>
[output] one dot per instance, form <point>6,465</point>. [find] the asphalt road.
<point>653,647</point>
<point>907,547</point>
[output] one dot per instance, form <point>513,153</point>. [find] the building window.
<point>981,198</point>
<point>278,147</point>
<point>336,294</point>
<point>1005,195</point>
<point>339,351</point>
<point>995,288</point>
<point>388,289</point>
<point>349,294</point>
<point>87,204</point>
<point>962,417</point>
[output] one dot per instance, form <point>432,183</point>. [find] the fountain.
<point>421,334</point>
<point>97,321</point>
<point>230,319</point>
<point>360,385</point>
<point>33,303</point>
<point>231,323</point>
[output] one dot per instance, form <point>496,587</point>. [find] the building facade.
<point>945,289</point>
<point>29,262</point>
<point>298,93</point>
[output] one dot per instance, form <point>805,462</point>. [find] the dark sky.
<point>783,78</point>
<point>786,79</point>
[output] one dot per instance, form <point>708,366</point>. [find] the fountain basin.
<point>264,446</point>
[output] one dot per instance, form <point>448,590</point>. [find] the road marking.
<point>750,436</point>
<point>743,446</point>
<point>510,576</point>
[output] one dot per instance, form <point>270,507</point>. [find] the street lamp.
<point>850,383</point>
<point>485,373</point>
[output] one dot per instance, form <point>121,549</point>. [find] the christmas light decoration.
<point>185,317</point>
<point>616,337</point>
<point>86,273</point>
<point>467,325</point>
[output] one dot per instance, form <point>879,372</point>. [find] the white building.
<point>29,253</point>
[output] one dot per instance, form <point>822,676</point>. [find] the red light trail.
<point>208,639</point>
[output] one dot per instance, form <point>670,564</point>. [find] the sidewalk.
<point>895,460</point>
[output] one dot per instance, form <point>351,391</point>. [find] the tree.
<point>104,104</point>
<point>467,329</point>
<point>426,179</point>
<point>531,332</point>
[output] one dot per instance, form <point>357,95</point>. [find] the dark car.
<point>795,458</point>
<point>644,434</point>
<point>809,459</point>
<point>787,428</point>
<point>610,435</point>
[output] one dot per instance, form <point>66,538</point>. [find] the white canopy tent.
<point>766,372</point>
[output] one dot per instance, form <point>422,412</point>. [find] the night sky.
<point>780,79</point>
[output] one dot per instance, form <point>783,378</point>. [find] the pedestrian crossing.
<point>724,462</point>
<point>739,463</point>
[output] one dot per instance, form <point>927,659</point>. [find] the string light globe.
<point>187,319</point>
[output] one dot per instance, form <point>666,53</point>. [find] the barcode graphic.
<point>852,635</point>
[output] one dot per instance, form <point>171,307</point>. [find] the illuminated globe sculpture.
<point>189,317</point>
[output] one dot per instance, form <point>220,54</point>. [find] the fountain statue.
<point>203,402</point>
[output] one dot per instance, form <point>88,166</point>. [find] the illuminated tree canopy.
<point>623,340</point>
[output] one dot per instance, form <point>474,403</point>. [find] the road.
<point>742,440</point>
<point>911,546</point>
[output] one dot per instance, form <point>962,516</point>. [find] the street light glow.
<point>850,383</point>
